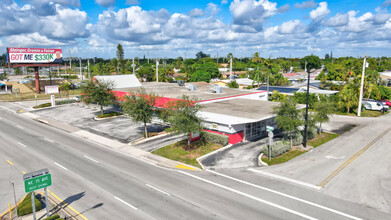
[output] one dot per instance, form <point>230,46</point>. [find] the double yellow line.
<point>322,184</point>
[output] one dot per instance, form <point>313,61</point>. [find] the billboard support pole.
<point>36,70</point>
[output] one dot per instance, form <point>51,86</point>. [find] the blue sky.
<point>93,28</point>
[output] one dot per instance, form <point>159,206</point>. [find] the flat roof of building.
<point>242,108</point>
<point>203,93</point>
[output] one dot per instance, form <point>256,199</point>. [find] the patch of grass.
<point>25,207</point>
<point>31,95</point>
<point>321,139</point>
<point>283,158</point>
<point>44,105</point>
<point>110,114</point>
<point>176,151</point>
<point>369,113</point>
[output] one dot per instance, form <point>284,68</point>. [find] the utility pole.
<point>88,67</point>
<point>230,67</point>
<point>148,56</point>
<point>70,59</point>
<point>157,70</point>
<point>133,65</point>
<point>80,69</point>
<point>362,86</point>
<point>306,108</point>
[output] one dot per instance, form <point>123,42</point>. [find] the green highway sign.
<point>269,128</point>
<point>38,182</point>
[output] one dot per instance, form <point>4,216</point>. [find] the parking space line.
<point>10,162</point>
<point>159,190</point>
<point>125,203</point>
<point>19,126</point>
<point>90,159</point>
<point>60,166</point>
<point>21,144</point>
<point>49,140</point>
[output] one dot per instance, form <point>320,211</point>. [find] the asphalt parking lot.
<point>121,128</point>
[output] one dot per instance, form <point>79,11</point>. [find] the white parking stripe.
<point>8,109</point>
<point>125,203</point>
<point>19,126</point>
<point>60,166</point>
<point>251,197</point>
<point>288,196</point>
<point>22,144</point>
<point>49,140</point>
<point>91,159</point>
<point>158,190</point>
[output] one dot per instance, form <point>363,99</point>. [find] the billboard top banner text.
<point>34,55</point>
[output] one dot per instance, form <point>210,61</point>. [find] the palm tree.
<point>348,96</point>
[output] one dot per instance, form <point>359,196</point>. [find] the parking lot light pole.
<point>306,108</point>
<point>362,87</point>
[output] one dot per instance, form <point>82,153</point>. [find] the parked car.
<point>374,105</point>
<point>386,102</point>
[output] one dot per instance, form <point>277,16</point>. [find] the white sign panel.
<point>51,89</point>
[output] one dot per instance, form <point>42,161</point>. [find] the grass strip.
<point>321,139</point>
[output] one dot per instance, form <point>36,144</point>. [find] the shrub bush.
<point>65,101</point>
<point>53,217</point>
<point>297,139</point>
<point>278,148</point>
<point>25,206</point>
<point>215,138</point>
<point>44,105</point>
<point>110,114</point>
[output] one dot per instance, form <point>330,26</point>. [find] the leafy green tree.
<point>147,72</point>
<point>98,92</point>
<point>200,75</point>
<point>313,62</point>
<point>288,117</point>
<point>65,87</point>
<point>348,97</point>
<point>322,113</point>
<point>201,55</point>
<point>233,84</point>
<point>120,57</point>
<point>301,98</point>
<point>183,117</point>
<point>140,106</point>
<point>256,58</point>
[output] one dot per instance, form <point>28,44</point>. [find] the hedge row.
<point>278,148</point>
<point>106,115</point>
<point>65,101</point>
<point>53,217</point>
<point>25,206</point>
<point>215,138</point>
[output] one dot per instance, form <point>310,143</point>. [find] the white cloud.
<point>223,2</point>
<point>320,12</point>
<point>306,4</point>
<point>196,12</point>
<point>105,3</point>
<point>290,27</point>
<point>31,40</point>
<point>252,13</point>
<point>284,8</point>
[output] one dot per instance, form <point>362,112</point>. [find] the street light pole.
<point>306,108</point>
<point>362,87</point>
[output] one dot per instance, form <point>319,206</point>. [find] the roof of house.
<point>240,81</point>
<point>120,81</point>
<point>290,74</point>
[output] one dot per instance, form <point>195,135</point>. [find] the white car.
<point>77,98</point>
<point>374,105</point>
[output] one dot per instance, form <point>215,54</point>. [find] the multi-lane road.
<point>100,183</point>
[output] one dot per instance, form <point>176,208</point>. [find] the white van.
<point>374,105</point>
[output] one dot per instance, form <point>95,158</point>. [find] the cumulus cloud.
<point>223,2</point>
<point>387,3</point>
<point>196,12</point>
<point>32,40</point>
<point>306,4</point>
<point>290,27</point>
<point>320,12</point>
<point>284,8</point>
<point>105,3</point>
<point>252,13</point>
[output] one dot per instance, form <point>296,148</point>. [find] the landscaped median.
<point>278,157</point>
<point>208,142</point>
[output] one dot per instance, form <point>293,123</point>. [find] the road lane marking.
<point>8,109</point>
<point>17,105</point>
<point>90,159</point>
<point>49,140</point>
<point>251,197</point>
<point>60,166</point>
<point>19,126</point>
<point>286,195</point>
<point>285,179</point>
<point>340,168</point>
<point>23,172</point>
<point>125,203</point>
<point>158,190</point>
<point>22,144</point>
<point>67,205</point>
<point>10,162</point>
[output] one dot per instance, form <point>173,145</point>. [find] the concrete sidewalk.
<point>113,144</point>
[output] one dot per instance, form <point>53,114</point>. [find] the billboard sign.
<point>34,55</point>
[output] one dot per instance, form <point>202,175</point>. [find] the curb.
<point>199,159</point>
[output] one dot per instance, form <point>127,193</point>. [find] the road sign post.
<point>270,134</point>
<point>37,180</point>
